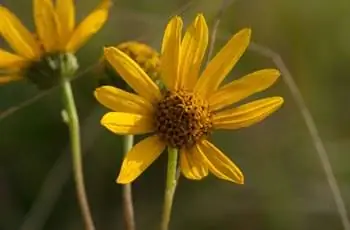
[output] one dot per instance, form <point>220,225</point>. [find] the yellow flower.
<point>183,115</point>
<point>145,56</point>
<point>56,33</point>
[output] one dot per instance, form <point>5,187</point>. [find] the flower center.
<point>182,118</point>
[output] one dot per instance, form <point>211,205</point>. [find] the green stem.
<point>171,181</point>
<point>71,117</point>
<point>127,190</point>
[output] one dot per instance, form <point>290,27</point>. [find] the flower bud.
<point>145,56</point>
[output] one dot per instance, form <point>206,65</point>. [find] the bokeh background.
<point>285,187</point>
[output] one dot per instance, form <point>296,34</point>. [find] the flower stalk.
<point>70,116</point>
<point>129,217</point>
<point>171,181</point>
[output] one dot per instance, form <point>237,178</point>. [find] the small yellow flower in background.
<point>57,33</point>
<point>145,56</point>
<point>191,107</point>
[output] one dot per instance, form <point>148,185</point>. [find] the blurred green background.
<point>285,187</point>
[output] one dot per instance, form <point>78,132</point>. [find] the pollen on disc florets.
<point>182,118</point>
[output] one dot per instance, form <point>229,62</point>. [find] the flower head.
<point>56,34</point>
<point>145,56</point>
<point>193,104</point>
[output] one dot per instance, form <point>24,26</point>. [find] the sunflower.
<point>191,107</point>
<point>56,33</point>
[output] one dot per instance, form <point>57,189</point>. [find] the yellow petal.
<point>223,63</point>
<point>122,101</point>
<point>132,73</point>
<point>8,60</point>
<point>242,88</point>
<point>18,37</point>
<point>193,48</point>
<point>142,155</point>
<point>127,123</point>
<point>66,15</point>
<point>7,79</point>
<point>192,165</point>
<point>219,164</point>
<point>89,26</point>
<point>170,57</point>
<point>247,114</point>
<point>47,24</point>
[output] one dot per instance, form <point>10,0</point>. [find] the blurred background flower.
<point>37,54</point>
<point>143,54</point>
<point>285,186</point>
